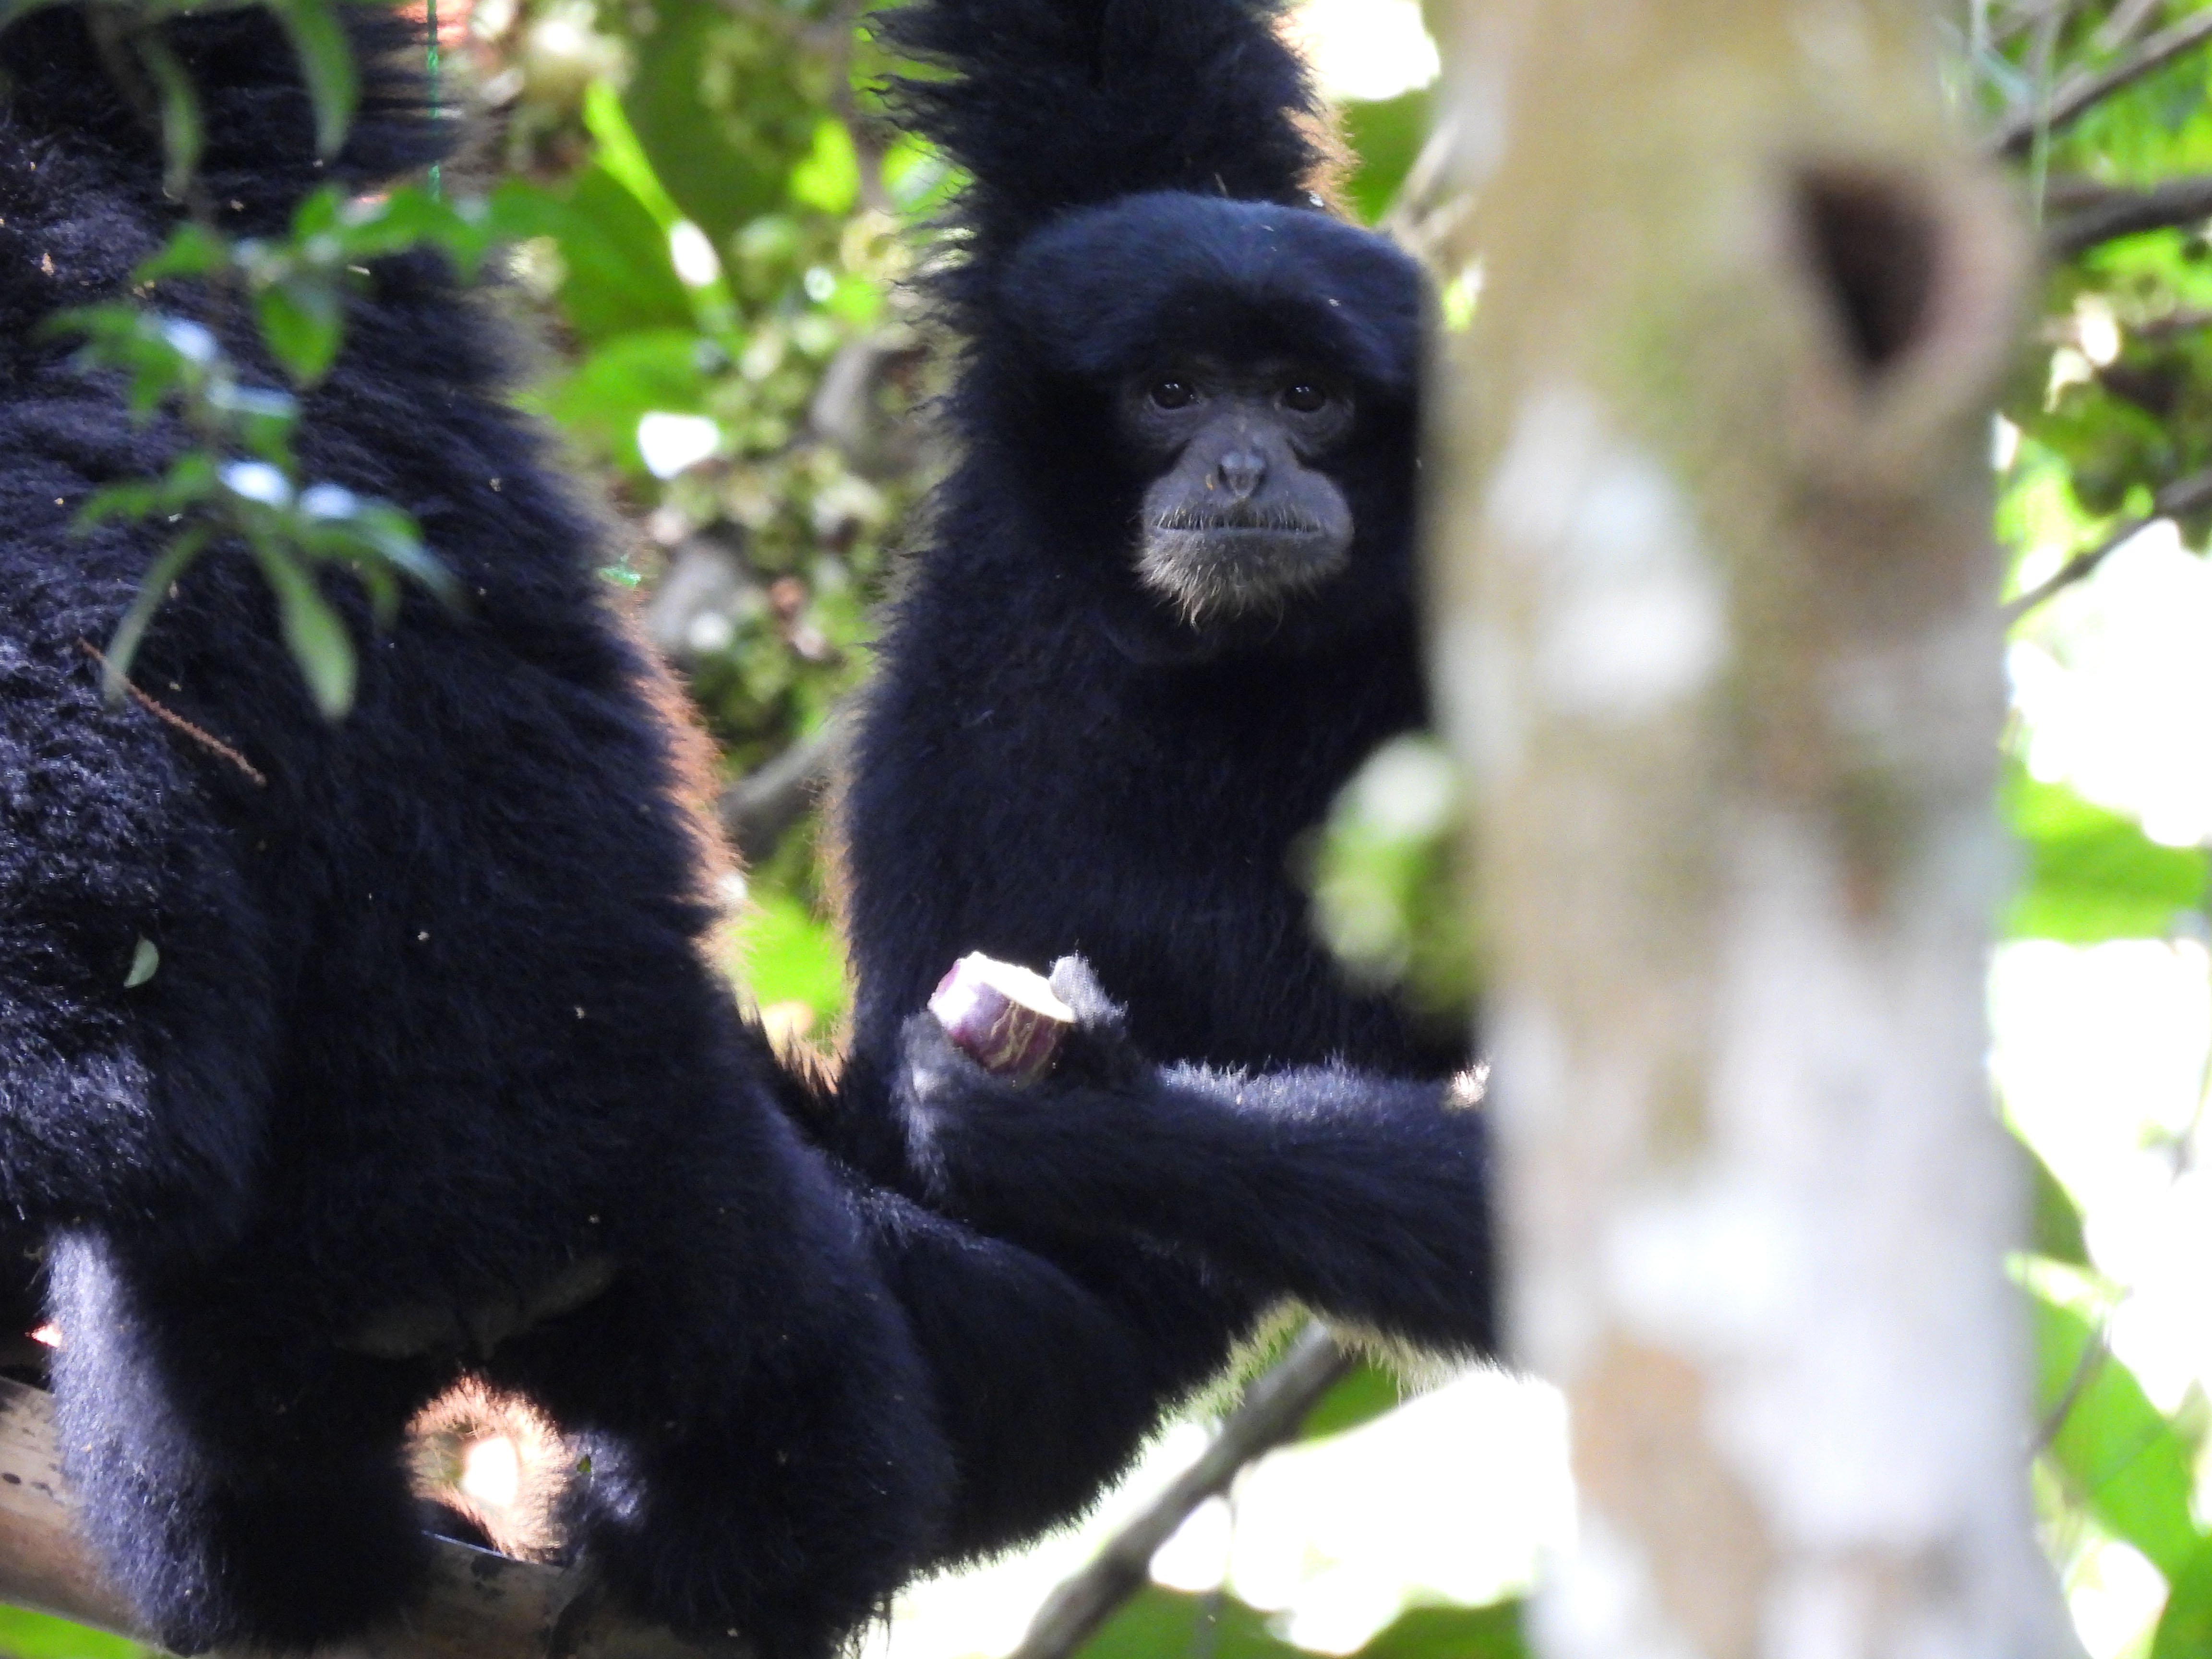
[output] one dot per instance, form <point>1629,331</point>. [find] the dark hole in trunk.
<point>1874,247</point>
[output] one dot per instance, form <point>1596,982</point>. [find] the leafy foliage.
<point>2092,874</point>
<point>1159,1621</point>
<point>1385,878</point>
<point>237,480</point>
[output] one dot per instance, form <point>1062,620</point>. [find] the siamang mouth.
<point>1233,524</point>
<point>1217,568</point>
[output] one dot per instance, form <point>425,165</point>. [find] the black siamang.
<point>1166,611</point>
<point>430,1073</point>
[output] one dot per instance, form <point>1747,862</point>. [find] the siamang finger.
<point>1075,984</point>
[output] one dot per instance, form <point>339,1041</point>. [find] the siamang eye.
<point>1305,398</point>
<point>1173,394</point>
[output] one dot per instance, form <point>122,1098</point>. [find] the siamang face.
<point>1242,514</point>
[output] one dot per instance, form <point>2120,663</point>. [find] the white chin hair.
<point>1206,583</point>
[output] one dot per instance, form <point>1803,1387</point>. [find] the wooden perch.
<point>479,1605</point>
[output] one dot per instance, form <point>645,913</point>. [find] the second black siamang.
<point>1166,610</point>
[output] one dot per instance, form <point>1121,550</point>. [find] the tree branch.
<point>759,809</point>
<point>1270,1414</point>
<point>2114,213</point>
<point>2083,92</point>
<point>2190,494</point>
<point>479,1606</point>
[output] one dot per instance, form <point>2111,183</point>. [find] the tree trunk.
<point>1716,629</point>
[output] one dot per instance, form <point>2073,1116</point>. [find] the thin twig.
<point>759,809</point>
<point>2024,18</point>
<point>2190,494</point>
<point>1272,1410</point>
<point>2116,213</point>
<point>2083,92</point>
<point>177,722</point>
<point>2123,24</point>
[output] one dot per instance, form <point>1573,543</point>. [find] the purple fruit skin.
<point>1002,1035</point>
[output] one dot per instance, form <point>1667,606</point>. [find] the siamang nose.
<point>1241,472</point>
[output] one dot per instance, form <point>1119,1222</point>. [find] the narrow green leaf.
<point>322,213</point>
<point>145,963</point>
<point>2184,1629</point>
<point>318,37</point>
<point>303,319</point>
<point>192,250</point>
<point>827,178</point>
<point>2057,1219</point>
<point>317,637</point>
<point>2094,874</point>
<point>2114,1448</point>
<point>183,133</point>
<point>123,646</point>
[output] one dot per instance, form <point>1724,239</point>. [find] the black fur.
<point>1053,761</point>
<point>431,1030</point>
<point>431,1046</point>
<point>431,1038</point>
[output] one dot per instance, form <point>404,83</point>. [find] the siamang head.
<point>1232,388</point>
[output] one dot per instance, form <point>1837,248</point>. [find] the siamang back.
<point>432,1067</point>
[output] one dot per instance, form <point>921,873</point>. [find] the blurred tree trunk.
<point>1717,631</point>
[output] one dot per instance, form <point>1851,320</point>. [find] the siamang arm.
<point>1049,1373</point>
<point>1366,1198</point>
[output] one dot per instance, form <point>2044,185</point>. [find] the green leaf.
<point>693,146</point>
<point>2184,1629</point>
<point>621,154</point>
<point>1491,1632</point>
<point>406,217</point>
<point>318,641</point>
<point>1386,137</point>
<point>145,963</point>
<point>620,276</point>
<point>318,38</point>
<point>2057,1221</point>
<point>182,131</point>
<point>828,179</point>
<point>192,250</point>
<point>303,319</point>
<point>123,646</point>
<point>2094,874</point>
<point>2125,1462</point>
<point>1155,1622</point>
<point>790,955</point>
<point>28,1635</point>
<point>1362,1396</point>
<point>600,402</point>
